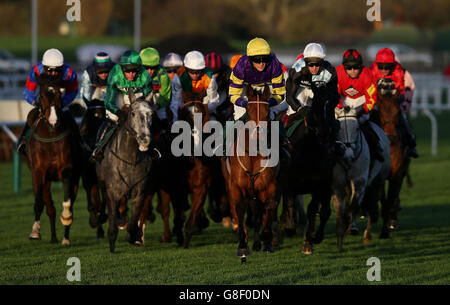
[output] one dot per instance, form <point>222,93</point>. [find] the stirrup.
<point>155,154</point>
<point>97,156</point>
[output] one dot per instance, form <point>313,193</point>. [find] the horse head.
<point>349,131</point>
<point>139,121</point>
<point>388,105</point>
<point>50,100</point>
<point>258,105</point>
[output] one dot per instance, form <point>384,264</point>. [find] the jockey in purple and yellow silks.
<point>258,67</point>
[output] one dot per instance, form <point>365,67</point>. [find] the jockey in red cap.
<point>356,86</point>
<point>385,66</point>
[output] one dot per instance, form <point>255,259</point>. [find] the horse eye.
<point>133,114</point>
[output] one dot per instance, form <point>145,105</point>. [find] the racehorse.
<point>52,155</point>
<point>388,118</point>
<point>93,118</point>
<point>355,172</point>
<point>124,171</point>
<point>250,181</point>
<point>199,173</point>
<point>310,171</point>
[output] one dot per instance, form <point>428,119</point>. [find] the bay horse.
<point>355,176</point>
<point>199,168</point>
<point>125,169</point>
<point>53,154</point>
<point>310,169</point>
<point>96,203</point>
<point>388,118</point>
<point>249,178</point>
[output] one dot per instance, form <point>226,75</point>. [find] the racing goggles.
<point>151,67</point>
<point>171,69</point>
<point>53,69</point>
<point>314,64</point>
<point>260,59</point>
<point>385,66</point>
<point>130,69</point>
<point>194,71</point>
<point>352,67</point>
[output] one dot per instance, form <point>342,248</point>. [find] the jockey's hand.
<point>241,102</point>
<point>272,101</point>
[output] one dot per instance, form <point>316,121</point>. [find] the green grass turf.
<point>416,253</point>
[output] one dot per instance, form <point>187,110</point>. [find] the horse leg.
<point>136,211</point>
<point>70,193</point>
<point>387,206</point>
<point>370,204</point>
<point>146,209</point>
<point>38,205</point>
<point>287,218</point>
<point>165,213</point>
<point>112,222</point>
<point>123,214</point>
<point>325,212</point>
<point>198,199</point>
<point>339,210</point>
<point>51,211</point>
<point>179,202</point>
<point>243,250</point>
<point>267,221</point>
<point>298,202</point>
<point>307,247</point>
<point>257,213</point>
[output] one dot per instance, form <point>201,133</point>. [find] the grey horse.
<point>356,175</point>
<point>124,172</point>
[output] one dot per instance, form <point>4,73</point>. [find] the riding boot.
<point>410,136</point>
<point>105,132</point>
<point>373,141</point>
<point>21,141</point>
<point>285,147</point>
<point>31,119</point>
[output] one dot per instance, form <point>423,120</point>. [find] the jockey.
<point>311,75</point>
<point>259,67</point>
<point>356,86</point>
<point>196,79</point>
<point>385,66</point>
<point>162,85</point>
<point>52,67</point>
<point>95,77</point>
<point>172,63</point>
<point>221,73</point>
<point>127,76</point>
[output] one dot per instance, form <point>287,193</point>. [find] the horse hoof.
<point>66,221</point>
<point>65,242</point>
<point>267,249</point>
<point>139,243</point>
<point>35,236</point>
<point>226,222</point>
<point>307,248</point>
<point>366,241</point>
<point>353,231</point>
<point>243,252</point>
<point>393,224</point>
<point>243,260</point>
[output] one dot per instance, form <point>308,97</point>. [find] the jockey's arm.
<point>31,85</point>
<point>176,100</point>
<point>71,87</point>
<point>110,98</point>
<point>291,89</point>
<point>165,93</point>
<point>212,96</point>
<point>235,90</point>
<point>86,86</point>
<point>332,90</point>
<point>278,89</point>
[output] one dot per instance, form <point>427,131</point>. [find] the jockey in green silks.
<point>127,76</point>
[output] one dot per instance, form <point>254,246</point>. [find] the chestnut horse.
<point>53,154</point>
<point>249,178</point>
<point>388,118</point>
